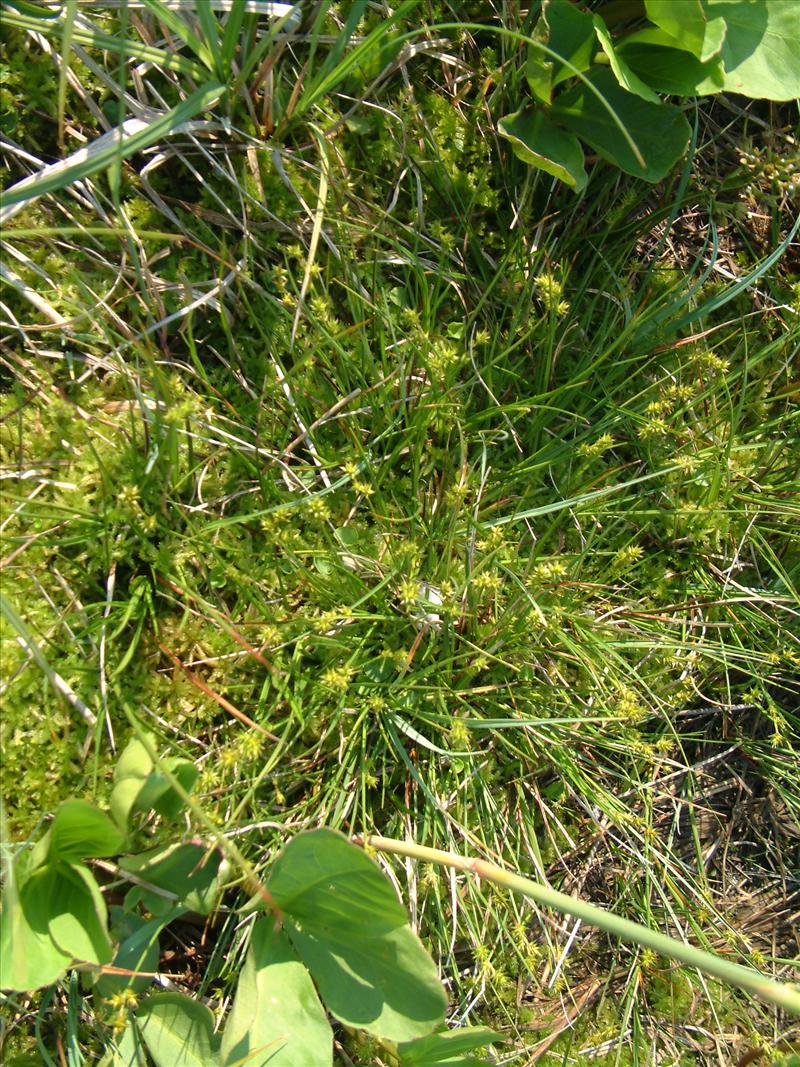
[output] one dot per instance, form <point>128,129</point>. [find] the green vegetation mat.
<point>406,492</point>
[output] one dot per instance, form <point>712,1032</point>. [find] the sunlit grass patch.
<point>489,534</point>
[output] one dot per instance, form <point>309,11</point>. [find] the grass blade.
<point>27,641</point>
<point>182,30</point>
<point>89,37</point>
<point>211,28</point>
<point>319,214</point>
<point>328,79</point>
<point>233,26</point>
<point>133,136</point>
<point>66,47</point>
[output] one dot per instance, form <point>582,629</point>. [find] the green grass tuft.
<point>493,533</point>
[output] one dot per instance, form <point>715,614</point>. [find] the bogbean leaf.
<point>344,920</point>
<point>178,1031</point>
<point>276,1019</point>
<point>448,1048</point>
<point>138,951</point>
<point>537,141</point>
<point>158,793</point>
<point>655,57</point>
<point>126,1051</point>
<point>130,773</point>
<point>690,26</point>
<point>386,985</point>
<point>29,959</point>
<point>660,131</point>
<point>761,46</point>
<point>622,72</point>
<point>756,41</point>
<point>347,536</point>
<point>569,32</point>
<point>185,873</point>
<point>139,785</point>
<point>320,878</point>
<point>123,799</point>
<point>64,901</point>
<point>81,831</point>
<point>135,760</point>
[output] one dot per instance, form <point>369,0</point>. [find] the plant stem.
<point>251,883</point>
<point>780,994</point>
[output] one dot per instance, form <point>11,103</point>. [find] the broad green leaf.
<point>622,72</point>
<point>320,878</point>
<point>126,1051</point>
<point>138,951</point>
<point>690,25</point>
<point>157,791</point>
<point>65,901</point>
<point>276,1019</point>
<point>130,774</point>
<point>343,918</point>
<point>757,42</point>
<point>654,56</point>
<point>539,65</point>
<point>123,799</point>
<point>567,31</point>
<point>28,958</point>
<point>135,760</point>
<point>660,131</point>
<point>178,1031</point>
<point>158,904</point>
<point>186,872</point>
<point>761,47</point>
<point>81,831</point>
<point>138,785</point>
<point>537,141</point>
<point>447,1048</point>
<point>131,137</point>
<point>347,536</point>
<point>386,985</point>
